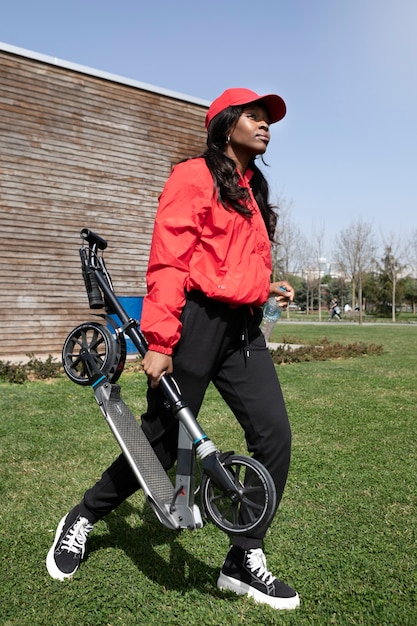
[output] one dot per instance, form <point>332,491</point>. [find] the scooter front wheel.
<point>107,351</point>
<point>252,504</point>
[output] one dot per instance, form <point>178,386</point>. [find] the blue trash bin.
<point>133,307</point>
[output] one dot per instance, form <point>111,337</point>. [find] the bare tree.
<point>412,263</point>
<point>289,251</point>
<point>354,253</point>
<point>412,253</point>
<point>317,256</point>
<point>392,267</point>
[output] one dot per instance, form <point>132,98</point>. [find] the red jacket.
<point>199,245</point>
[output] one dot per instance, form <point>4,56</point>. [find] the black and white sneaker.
<point>68,548</point>
<point>245,573</point>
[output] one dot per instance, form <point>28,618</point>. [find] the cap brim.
<point>275,106</point>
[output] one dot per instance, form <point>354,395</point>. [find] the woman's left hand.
<point>283,291</point>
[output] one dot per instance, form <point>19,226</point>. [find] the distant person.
<point>334,309</point>
<point>347,308</point>
<point>208,276</point>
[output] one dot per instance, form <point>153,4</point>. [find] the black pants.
<point>223,345</point>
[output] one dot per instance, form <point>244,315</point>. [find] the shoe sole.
<point>226,583</point>
<point>53,571</point>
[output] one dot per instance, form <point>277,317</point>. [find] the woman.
<point>208,275</point>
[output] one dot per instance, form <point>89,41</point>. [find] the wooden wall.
<point>77,150</point>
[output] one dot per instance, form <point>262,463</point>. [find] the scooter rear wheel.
<point>253,507</point>
<point>107,351</point>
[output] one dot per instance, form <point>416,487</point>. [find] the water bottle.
<point>272,313</point>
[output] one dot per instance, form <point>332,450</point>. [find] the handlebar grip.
<point>95,299</point>
<point>93,239</point>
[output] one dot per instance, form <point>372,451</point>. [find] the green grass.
<point>345,534</point>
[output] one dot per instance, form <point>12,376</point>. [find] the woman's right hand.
<point>284,297</point>
<point>155,365</point>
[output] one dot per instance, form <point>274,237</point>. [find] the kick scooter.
<point>236,493</point>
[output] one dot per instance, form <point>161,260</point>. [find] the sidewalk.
<point>286,346</point>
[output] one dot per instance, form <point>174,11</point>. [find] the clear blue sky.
<point>347,70</point>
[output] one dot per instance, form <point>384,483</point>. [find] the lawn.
<point>345,534</point>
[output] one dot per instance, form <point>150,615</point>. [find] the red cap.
<point>275,105</point>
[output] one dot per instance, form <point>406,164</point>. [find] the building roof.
<point>75,67</point>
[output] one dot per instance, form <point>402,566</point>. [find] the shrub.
<point>43,369</point>
<point>34,369</point>
<point>12,373</point>
<point>290,351</point>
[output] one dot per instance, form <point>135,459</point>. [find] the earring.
<point>228,139</point>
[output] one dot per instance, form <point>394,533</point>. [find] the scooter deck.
<point>136,447</point>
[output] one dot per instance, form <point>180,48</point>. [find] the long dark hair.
<point>223,169</point>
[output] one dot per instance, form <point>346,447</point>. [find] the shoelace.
<point>76,536</point>
<point>257,564</point>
